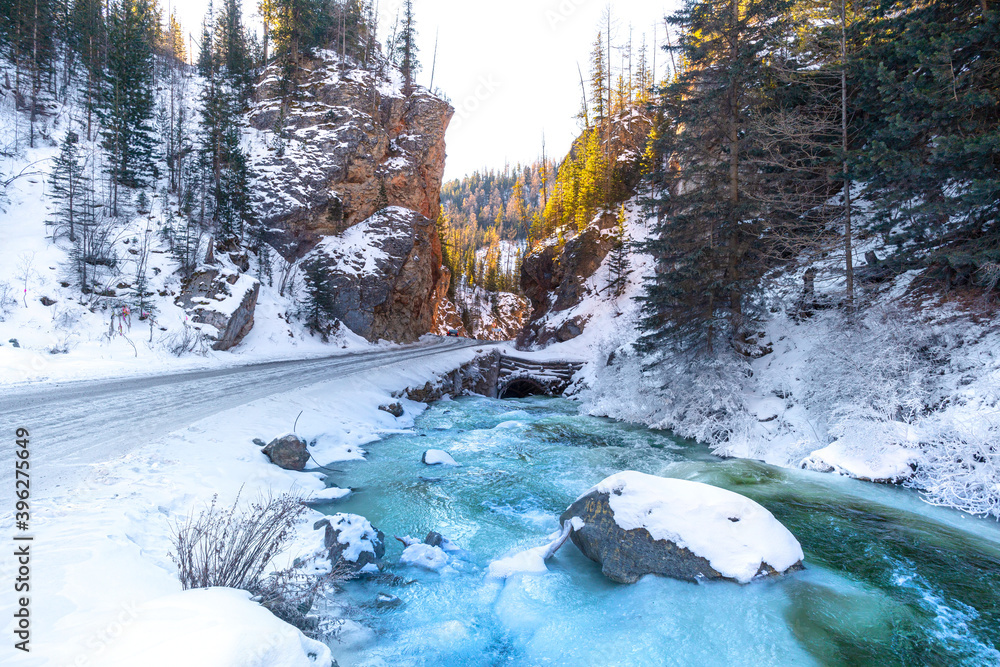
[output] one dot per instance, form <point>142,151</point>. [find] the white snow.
<point>892,464</point>
<point>433,457</point>
<point>220,627</point>
<point>356,532</point>
<point>332,493</point>
<point>424,556</point>
<point>532,561</point>
<point>107,538</point>
<point>730,531</point>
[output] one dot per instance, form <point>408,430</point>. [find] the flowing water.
<point>889,580</point>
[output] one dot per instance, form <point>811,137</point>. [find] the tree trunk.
<point>848,231</point>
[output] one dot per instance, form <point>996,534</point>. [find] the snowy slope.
<point>910,395</point>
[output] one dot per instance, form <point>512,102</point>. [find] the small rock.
<point>288,452</point>
<point>394,409</point>
<point>259,442</point>
<point>435,457</point>
<point>434,539</point>
<point>46,301</point>
<point>387,601</point>
<point>13,341</point>
<point>352,539</point>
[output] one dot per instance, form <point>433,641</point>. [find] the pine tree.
<point>88,38</point>
<point>320,299</point>
<point>929,91</point>
<point>126,101</point>
<point>707,247</point>
<point>407,48</point>
<point>598,81</point>
<point>618,258</point>
<point>68,182</point>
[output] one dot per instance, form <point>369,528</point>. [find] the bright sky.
<point>509,68</point>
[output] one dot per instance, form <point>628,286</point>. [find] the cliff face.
<point>347,161</point>
<point>554,280</point>
<point>555,276</point>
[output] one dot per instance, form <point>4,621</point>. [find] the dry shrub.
<point>235,548</point>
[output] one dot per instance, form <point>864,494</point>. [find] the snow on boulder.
<point>352,539</point>
<point>892,464</point>
<point>424,556</point>
<point>637,524</point>
<point>436,457</point>
<point>221,627</point>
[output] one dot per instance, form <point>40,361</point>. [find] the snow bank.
<point>733,533</point>
<point>891,463</point>
<point>220,627</point>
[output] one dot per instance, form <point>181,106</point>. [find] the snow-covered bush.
<point>7,301</point>
<point>870,379</point>
<point>186,340</point>
<point>961,468</point>
<point>695,397</point>
<point>235,548</point>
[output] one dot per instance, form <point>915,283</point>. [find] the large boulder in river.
<point>352,539</point>
<point>637,524</point>
<point>288,452</point>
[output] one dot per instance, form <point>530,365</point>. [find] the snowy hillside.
<point>911,394</point>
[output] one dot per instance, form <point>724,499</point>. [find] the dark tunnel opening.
<point>522,388</point>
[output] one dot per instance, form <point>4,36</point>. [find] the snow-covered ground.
<point>105,585</point>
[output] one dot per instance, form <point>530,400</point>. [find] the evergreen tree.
<point>618,258</point>
<point>126,101</point>
<point>930,97</point>
<point>407,48</point>
<point>88,38</point>
<point>68,183</point>
<point>707,247</point>
<point>320,301</point>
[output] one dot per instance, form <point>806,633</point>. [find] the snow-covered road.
<point>76,425</point>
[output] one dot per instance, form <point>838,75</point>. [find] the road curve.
<point>76,424</point>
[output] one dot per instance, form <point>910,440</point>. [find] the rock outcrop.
<point>381,274</point>
<point>223,299</point>
<point>554,275</point>
<point>346,153</point>
<point>636,524</point>
<point>554,280</point>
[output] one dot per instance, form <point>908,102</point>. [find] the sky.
<point>509,68</point>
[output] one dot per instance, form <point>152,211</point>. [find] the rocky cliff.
<point>554,278</point>
<point>555,273</point>
<point>348,172</point>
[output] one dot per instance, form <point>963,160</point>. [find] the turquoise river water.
<point>889,580</point>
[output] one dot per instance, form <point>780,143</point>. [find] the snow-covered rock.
<point>638,524</point>
<point>221,627</point>
<point>351,538</point>
<point>435,457</point>
<point>221,300</point>
<point>889,464</point>
<point>330,493</point>
<point>424,556</point>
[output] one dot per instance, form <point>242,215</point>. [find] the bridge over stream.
<point>518,377</point>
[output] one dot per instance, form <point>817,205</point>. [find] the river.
<point>889,580</point>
